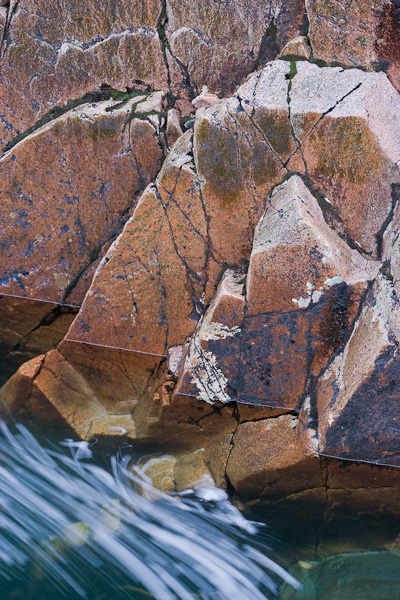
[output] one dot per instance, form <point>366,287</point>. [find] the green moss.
<point>218,162</point>
<point>346,150</point>
<point>276,128</point>
<point>104,93</point>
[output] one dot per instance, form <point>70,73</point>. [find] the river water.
<point>72,528</point>
<point>75,524</point>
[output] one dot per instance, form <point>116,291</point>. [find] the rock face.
<point>219,44</point>
<point>228,254</point>
<point>360,33</point>
<point>66,190</point>
<point>54,53</point>
<point>363,379</point>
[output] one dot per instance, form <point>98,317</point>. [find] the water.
<point>70,528</point>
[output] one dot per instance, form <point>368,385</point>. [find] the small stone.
<point>191,472</point>
<point>205,100</point>
<point>174,129</point>
<point>299,46</point>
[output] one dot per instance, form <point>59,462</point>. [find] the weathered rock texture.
<point>364,380</point>
<point>361,33</point>
<point>257,263</point>
<point>67,189</point>
<point>56,52</point>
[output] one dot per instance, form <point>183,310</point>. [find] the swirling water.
<point>70,528</point>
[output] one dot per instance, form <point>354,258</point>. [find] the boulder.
<point>67,188</point>
<point>268,458</point>
<point>149,291</point>
<point>349,142</point>
<point>296,256</point>
<point>363,382</point>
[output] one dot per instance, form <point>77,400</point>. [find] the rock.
<point>55,53</point>
<point>90,390</point>
<point>245,347</point>
<point>191,472</point>
<point>66,190</point>
<point>216,458</point>
<point>3,18</point>
<point>362,379</point>
<point>158,269</point>
<point>214,350</point>
<point>298,47</point>
<point>249,412</point>
<point>23,338</point>
<point>296,256</point>
<point>160,471</point>
<point>237,159</point>
<point>269,459</point>
<point>174,130</point>
<point>219,45</point>
<point>360,34</point>
<point>350,144</point>
<point>205,100</point>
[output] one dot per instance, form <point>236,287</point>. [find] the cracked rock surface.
<point>233,263</point>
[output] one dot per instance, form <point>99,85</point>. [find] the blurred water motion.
<point>70,528</point>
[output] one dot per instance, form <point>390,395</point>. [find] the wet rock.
<point>66,190</point>
<point>23,338</point>
<point>191,472</point>
<point>90,390</point>
<point>360,34</point>
<point>160,471</point>
<point>269,459</point>
<point>362,377</point>
<point>216,458</point>
<point>220,44</point>
<point>298,47</point>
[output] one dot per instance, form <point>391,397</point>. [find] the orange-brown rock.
<point>268,458</point>
<point>67,189</point>
<point>296,256</point>
<point>90,390</point>
<point>358,395</point>
<point>158,269</point>
<point>29,328</point>
<point>56,52</point>
<point>219,44</point>
<point>363,33</point>
<point>349,144</point>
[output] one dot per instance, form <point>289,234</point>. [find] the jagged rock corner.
<point>201,238</point>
